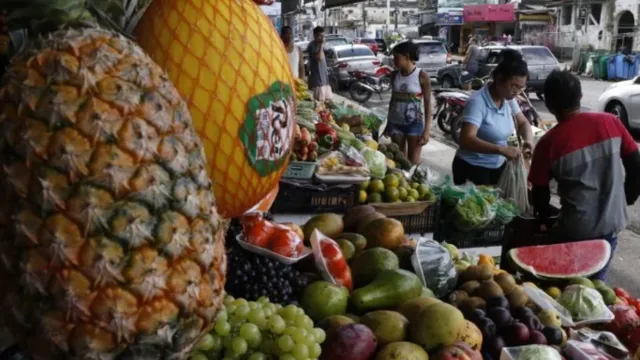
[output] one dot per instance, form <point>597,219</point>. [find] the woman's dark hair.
<point>512,64</point>
<point>408,49</point>
<point>562,91</point>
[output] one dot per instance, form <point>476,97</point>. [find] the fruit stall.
<point>337,163</point>
<point>140,220</point>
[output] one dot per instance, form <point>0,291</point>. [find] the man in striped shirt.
<point>585,153</point>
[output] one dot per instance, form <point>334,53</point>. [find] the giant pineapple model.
<point>111,246</point>
<point>229,64</point>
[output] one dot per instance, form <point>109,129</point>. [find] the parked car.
<point>335,40</point>
<point>433,56</point>
<point>343,59</point>
<point>371,43</point>
<point>622,99</point>
<point>539,59</point>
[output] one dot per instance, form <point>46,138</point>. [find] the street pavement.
<point>439,152</point>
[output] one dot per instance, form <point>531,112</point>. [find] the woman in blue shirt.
<point>489,121</point>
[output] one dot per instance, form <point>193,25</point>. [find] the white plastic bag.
<point>513,184</point>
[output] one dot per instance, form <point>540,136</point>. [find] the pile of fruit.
<point>382,317</point>
<point>394,188</point>
<point>302,90</point>
<point>305,147</point>
<point>502,310</point>
<point>260,330</point>
<point>392,152</point>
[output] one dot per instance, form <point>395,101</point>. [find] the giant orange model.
<point>229,64</point>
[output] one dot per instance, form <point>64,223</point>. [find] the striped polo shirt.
<point>583,154</point>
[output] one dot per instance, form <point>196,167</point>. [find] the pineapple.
<point>111,243</point>
<point>224,56</point>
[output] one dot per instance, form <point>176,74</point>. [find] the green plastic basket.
<point>300,170</point>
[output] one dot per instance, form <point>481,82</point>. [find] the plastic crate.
<point>424,221</point>
<point>299,170</point>
<point>305,197</point>
<point>491,236</point>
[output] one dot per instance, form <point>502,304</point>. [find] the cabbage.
<point>583,303</point>
<point>376,161</point>
<point>537,352</point>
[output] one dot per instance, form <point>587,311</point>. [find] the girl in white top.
<point>296,62</point>
<point>409,119</point>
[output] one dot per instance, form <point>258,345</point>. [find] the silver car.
<point>433,56</point>
<point>343,59</point>
<point>623,100</point>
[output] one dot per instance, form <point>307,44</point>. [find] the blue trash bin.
<point>619,64</point>
<point>627,63</point>
<point>636,66</point>
<point>611,67</point>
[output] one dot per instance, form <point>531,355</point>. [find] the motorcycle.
<point>449,104</point>
<point>364,85</point>
<point>528,110</point>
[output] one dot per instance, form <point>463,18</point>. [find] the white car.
<point>622,99</point>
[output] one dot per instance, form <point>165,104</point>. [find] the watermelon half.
<point>563,261</point>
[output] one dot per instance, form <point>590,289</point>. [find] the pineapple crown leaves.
<point>36,17</point>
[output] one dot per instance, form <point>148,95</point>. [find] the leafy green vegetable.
<point>537,352</point>
<point>583,303</point>
<point>376,161</point>
<point>372,121</point>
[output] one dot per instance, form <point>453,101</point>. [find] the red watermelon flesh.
<point>560,261</point>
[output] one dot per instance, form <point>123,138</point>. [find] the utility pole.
<point>364,19</point>
<point>577,45</point>
<point>396,11</point>
<point>325,13</point>
<point>388,15</point>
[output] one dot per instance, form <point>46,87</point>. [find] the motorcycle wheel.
<point>456,128</point>
<point>358,94</point>
<point>444,120</point>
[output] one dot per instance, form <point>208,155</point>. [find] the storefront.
<point>536,27</point>
<point>488,22</point>
<point>450,23</point>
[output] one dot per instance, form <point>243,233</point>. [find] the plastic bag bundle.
<point>474,212</point>
<point>584,304</point>
<point>513,184</point>
<point>452,194</point>
<point>376,162</point>
<point>506,211</point>
<point>434,266</point>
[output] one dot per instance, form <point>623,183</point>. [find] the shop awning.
<point>335,3</point>
<point>291,5</point>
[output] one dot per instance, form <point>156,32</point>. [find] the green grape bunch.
<point>260,330</point>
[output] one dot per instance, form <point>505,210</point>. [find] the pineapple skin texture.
<point>220,54</point>
<point>111,244</point>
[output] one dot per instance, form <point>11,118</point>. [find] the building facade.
<point>608,25</point>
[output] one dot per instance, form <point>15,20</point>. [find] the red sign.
<point>488,13</point>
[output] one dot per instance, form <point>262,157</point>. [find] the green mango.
<point>389,289</point>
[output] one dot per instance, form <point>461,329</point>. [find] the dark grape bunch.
<point>251,276</point>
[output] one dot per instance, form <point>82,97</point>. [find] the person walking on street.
<point>489,116</point>
<point>318,71</point>
<point>409,120</point>
<point>470,64</point>
<point>583,154</point>
<point>296,60</point>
